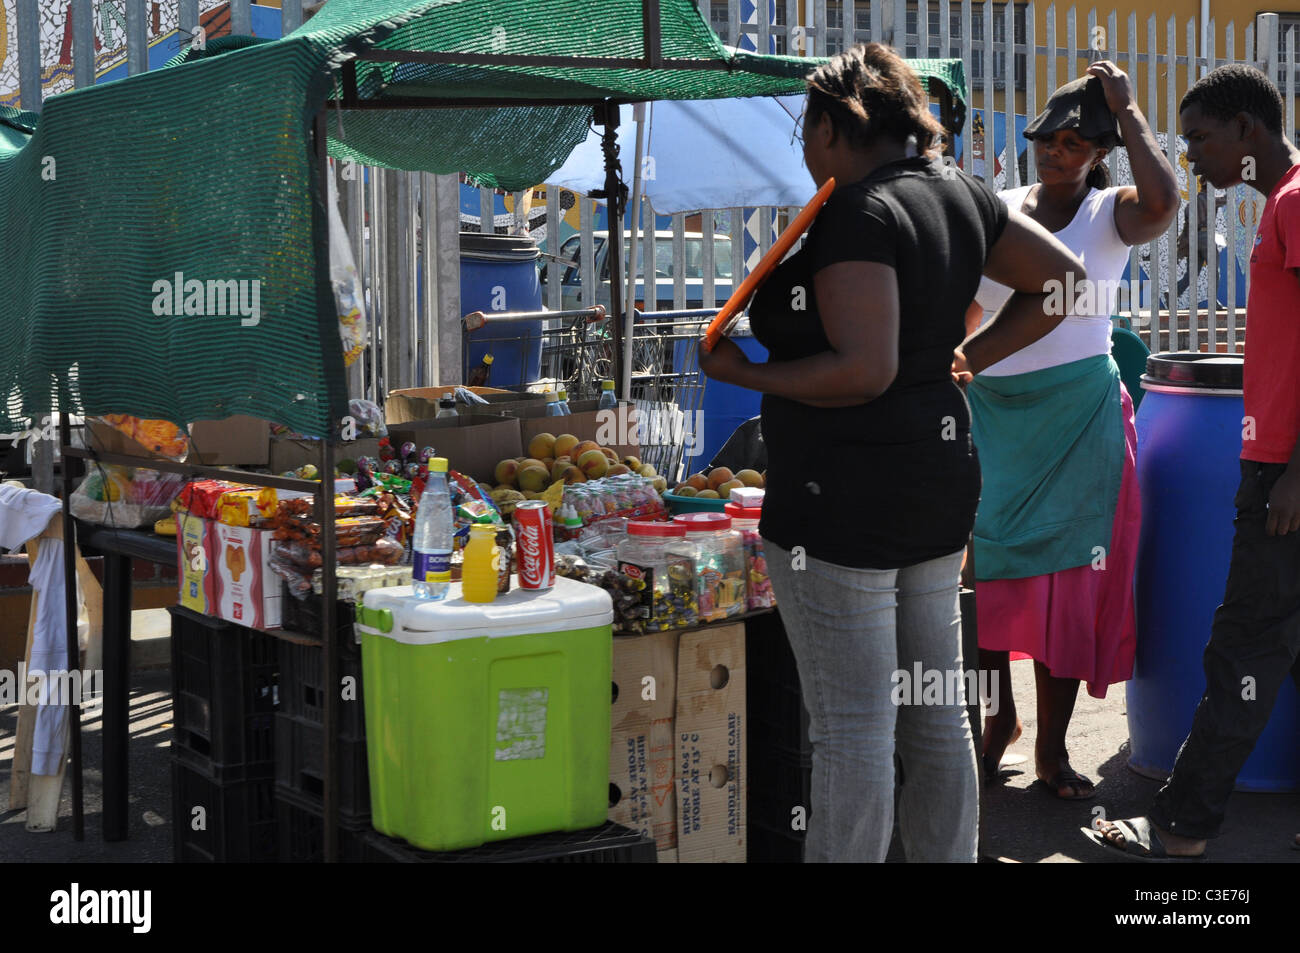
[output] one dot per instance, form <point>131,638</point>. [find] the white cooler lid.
<point>569,605</point>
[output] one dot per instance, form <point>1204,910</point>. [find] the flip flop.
<point>1140,842</point>
<point>1072,779</point>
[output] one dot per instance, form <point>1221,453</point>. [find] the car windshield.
<point>694,257</point>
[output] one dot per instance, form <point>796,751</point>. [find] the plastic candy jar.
<point>719,564</point>
<point>660,565</point>
<point>744,519</point>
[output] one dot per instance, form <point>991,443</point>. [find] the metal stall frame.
<point>605,113</point>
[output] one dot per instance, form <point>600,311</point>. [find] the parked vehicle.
<point>569,269</point>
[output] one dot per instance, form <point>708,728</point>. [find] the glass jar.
<point>719,564</point>
<point>660,568</point>
<point>758,585</point>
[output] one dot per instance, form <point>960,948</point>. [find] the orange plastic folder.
<point>726,318</point>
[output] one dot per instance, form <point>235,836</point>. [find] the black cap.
<point>1080,105</point>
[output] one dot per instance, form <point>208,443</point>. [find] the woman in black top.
<point>872,477</point>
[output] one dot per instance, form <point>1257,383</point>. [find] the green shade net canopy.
<point>163,236</point>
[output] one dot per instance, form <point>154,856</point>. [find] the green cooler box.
<point>487,721</point>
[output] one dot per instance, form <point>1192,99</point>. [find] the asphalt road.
<point>1023,822</point>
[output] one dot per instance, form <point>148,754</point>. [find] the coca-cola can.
<point>534,545</point>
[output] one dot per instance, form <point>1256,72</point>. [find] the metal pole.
<point>70,618</point>
<point>325,508</point>
<point>649,274</point>
<point>614,196</point>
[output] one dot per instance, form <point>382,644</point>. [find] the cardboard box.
<point>236,440</point>
<point>194,563</point>
<point>617,430</point>
<point>288,454</point>
<point>473,444</point>
<point>677,755</point>
<point>710,731</point>
<point>421,403</point>
<point>642,750</point>
<point>247,590</point>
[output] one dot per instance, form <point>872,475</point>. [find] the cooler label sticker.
<point>432,566</point>
<point>521,724</point>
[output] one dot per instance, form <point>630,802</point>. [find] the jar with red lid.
<point>659,569</point>
<point>758,585</point>
<point>719,564</point>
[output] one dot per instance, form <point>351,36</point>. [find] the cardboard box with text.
<point>248,591</point>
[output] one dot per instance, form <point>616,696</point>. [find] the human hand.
<point>961,372</point>
<point>1115,83</point>
<point>1284,504</point>
<point>726,362</point>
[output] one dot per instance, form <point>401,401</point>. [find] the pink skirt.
<point>1079,622</point>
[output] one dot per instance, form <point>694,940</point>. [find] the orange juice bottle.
<point>478,577</point>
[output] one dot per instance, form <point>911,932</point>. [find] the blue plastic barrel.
<point>499,273</point>
<point>1189,441</point>
<point>724,406</point>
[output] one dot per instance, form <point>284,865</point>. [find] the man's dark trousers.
<point>1253,645</point>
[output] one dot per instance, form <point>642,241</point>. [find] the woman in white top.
<point>1056,532</point>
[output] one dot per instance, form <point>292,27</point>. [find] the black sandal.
<point>1140,841</point>
<point>1072,779</point>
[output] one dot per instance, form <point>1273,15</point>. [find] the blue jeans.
<point>858,636</point>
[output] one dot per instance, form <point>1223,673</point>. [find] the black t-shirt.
<point>895,481</point>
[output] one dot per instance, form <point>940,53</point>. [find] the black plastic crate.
<point>304,615</point>
<point>224,695</point>
<point>239,823</point>
<point>608,844</point>
<point>302,687</point>
<point>769,844</point>
<point>301,831</point>
<point>300,760</point>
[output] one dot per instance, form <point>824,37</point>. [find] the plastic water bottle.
<point>433,535</point>
<point>564,404</point>
<point>607,399</point>
<point>553,408</point>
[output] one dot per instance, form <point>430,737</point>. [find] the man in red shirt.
<point>1232,121</point>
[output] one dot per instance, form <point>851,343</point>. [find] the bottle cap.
<point>437,464</point>
<point>483,529</point>
<point>606,385</point>
<point>564,395</point>
<point>703,522</point>
<point>488,359</point>
<point>650,528</point>
<point>737,511</point>
<point>552,397</point>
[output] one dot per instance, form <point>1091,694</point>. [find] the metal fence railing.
<point>1189,285</point>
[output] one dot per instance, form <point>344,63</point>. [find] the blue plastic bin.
<point>499,273</point>
<point>1189,442</point>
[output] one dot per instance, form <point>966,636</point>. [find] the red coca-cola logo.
<point>530,549</point>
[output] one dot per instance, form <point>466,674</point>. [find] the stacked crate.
<point>224,696</point>
<point>300,737</point>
